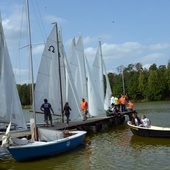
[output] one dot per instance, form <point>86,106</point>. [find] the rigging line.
<point>41,18</point>
<point>19,42</point>
<point>38,22</point>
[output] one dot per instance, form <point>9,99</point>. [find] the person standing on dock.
<point>116,103</point>
<point>67,111</point>
<point>84,107</point>
<point>123,103</point>
<point>112,100</point>
<point>130,106</point>
<point>47,108</point>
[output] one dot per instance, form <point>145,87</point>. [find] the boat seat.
<point>18,141</point>
<point>49,135</point>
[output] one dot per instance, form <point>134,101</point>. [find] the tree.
<point>155,86</point>
<point>24,94</point>
<point>143,79</point>
<point>153,67</point>
<point>167,76</point>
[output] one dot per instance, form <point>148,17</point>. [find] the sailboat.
<point>47,142</point>
<point>10,105</point>
<point>84,81</point>
<point>95,103</point>
<point>48,79</point>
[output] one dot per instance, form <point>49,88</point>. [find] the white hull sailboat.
<point>84,81</point>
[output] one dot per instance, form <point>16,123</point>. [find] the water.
<point>112,149</point>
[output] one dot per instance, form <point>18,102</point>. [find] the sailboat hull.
<point>37,149</point>
<point>152,131</point>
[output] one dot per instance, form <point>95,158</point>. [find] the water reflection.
<point>112,148</point>
<point>67,160</point>
<point>139,140</point>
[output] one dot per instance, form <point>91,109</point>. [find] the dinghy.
<point>151,131</point>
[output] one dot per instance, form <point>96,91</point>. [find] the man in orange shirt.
<point>84,107</point>
<point>130,106</point>
<point>123,103</point>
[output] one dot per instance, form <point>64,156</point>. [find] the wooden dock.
<point>91,124</point>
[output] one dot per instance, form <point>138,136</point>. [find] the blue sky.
<point>131,31</point>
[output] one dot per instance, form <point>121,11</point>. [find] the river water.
<point>114,148</point>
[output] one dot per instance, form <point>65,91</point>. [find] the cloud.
<point>117,51</point>
<point>52,19</point>
<point>87,40</point>
<point>126,53</point>
<point>12,25</point>
<point>152,57</point>
<point>159,46</point>
<point>146,66</point>
<point>20,72</point>
<point>38,49</point>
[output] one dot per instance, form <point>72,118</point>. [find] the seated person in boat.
<point>135,120</point>
<point>145,122</point>
<point>109,112</point>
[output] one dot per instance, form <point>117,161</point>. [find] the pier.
<point>93,124</point>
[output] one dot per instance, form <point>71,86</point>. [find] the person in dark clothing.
<point>46,108</point>
<point>135,120</point>
<point>67,111</point>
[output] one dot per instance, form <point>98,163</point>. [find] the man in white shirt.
<point>112,100</point>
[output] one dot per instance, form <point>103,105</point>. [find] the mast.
<point>59,70</point>
<point>31,65</point>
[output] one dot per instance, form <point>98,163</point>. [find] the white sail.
<point>70,90</point>
<point>47,83</point>
<point>82,70</point>
<point>10,106</point>
<point>74,67</point>
<point>97,71</point>
<point>95,104</point>
<point>108,89</point>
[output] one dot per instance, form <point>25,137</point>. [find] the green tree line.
<point>151,84</point>
<point>25,94</point>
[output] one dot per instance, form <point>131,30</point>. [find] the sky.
<point>131,31</point>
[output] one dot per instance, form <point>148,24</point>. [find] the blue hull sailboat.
<point>44,141</point>
<point>39,149</point>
